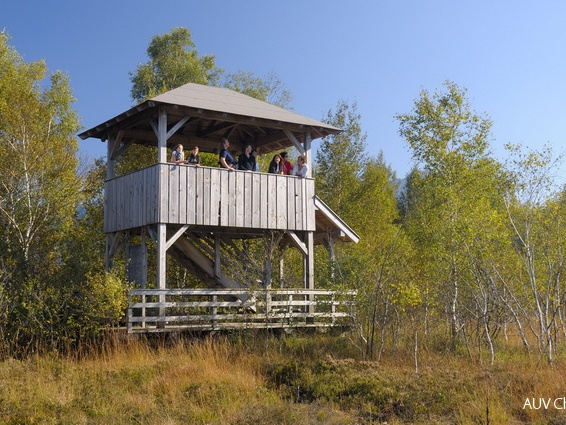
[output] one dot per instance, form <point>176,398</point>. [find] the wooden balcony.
<point>207,196</point>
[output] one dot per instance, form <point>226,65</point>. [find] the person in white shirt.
<point>178,155</point>
<point>301,168</point>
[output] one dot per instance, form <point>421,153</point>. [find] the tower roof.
<point>213,113</point>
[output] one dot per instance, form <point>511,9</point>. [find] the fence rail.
<point>162,310</point>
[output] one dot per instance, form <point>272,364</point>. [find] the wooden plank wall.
<point>209,197</point>
<point>131,200</point>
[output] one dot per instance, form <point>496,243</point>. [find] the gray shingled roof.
<point>224,100</point>
<point>215,113</point>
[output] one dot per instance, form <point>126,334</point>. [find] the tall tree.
<point>39,189</point>
<point>537,214</point>
<point>341,159</point>
<point>458,186</point>
<point>269,89</point>
<point>383,282</point>
<point>39,194</point>
<point>173,61</point>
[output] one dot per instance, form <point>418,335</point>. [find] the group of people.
<point>178,156</point>
<point>246,161</point>
<point>281,165</point>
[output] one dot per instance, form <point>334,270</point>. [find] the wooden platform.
<point>166,310</point>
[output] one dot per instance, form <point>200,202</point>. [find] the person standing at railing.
<point>194,157</point>
<point>276,165</point>
<point>301,168</point>
<point>287,166</point>
<point>225,158</point>
<point>178,155</point>
<point>246,161</point>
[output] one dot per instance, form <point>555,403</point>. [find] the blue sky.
<point>510,55</point>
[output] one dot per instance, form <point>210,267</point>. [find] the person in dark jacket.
<point>276,165</point>
<point>246,161</point>
<point>225,158</point>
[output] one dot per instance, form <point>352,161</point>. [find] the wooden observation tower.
<point>201,216</point>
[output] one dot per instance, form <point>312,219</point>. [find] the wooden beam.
<point>176,236</point>
<point>115,145</point>
<point>162,137</point>
<point>177,126</point>
<point>298,242</point>
<point>111,163</point>
<point>308,153</point>
<point>112,245</point>
<point>154,126</point>
<point>215,128</point>
<point>161,255</point>
<point>295,141</point>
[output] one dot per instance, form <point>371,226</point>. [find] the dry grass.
<point>298,380</point>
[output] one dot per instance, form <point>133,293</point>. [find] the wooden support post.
<point>110,174</point>
<point>308,269</point>
<point>214,312</point>
<point>109,241</point>
<point>161,267</point>
<point>308,261</point>
<point>161,255</point>
<point>161,227</point>
<point>110,160</point>
<point>143,282</point>
<point>308,153</point>
<point>162,137</point>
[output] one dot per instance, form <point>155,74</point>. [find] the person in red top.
<point>287,166</point>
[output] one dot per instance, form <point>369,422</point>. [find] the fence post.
<point>333,307</point>
<point>214,312</point>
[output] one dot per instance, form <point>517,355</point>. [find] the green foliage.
<point>341,159</point>
<point>173,61</point>
<point>537,216</point>
<point>51,215</point>
<point>102,300</point>
<point>39,190</point>
<point>453,210</point>
<point>362,190</point>
<point>269,89</point>
<point>365,389</point>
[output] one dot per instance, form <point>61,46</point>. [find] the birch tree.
<point>457,187</point>
<point>39,194</point>
<point>537,214</point>
<point>39,188</point>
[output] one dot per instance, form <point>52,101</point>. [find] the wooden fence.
<point>162,310</point>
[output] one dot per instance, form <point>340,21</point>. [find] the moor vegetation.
<point>460,309</point>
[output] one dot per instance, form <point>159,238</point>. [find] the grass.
<point>255,379</point>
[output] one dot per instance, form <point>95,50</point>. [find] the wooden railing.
<point>208,196</point>
<point>155,310</point>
